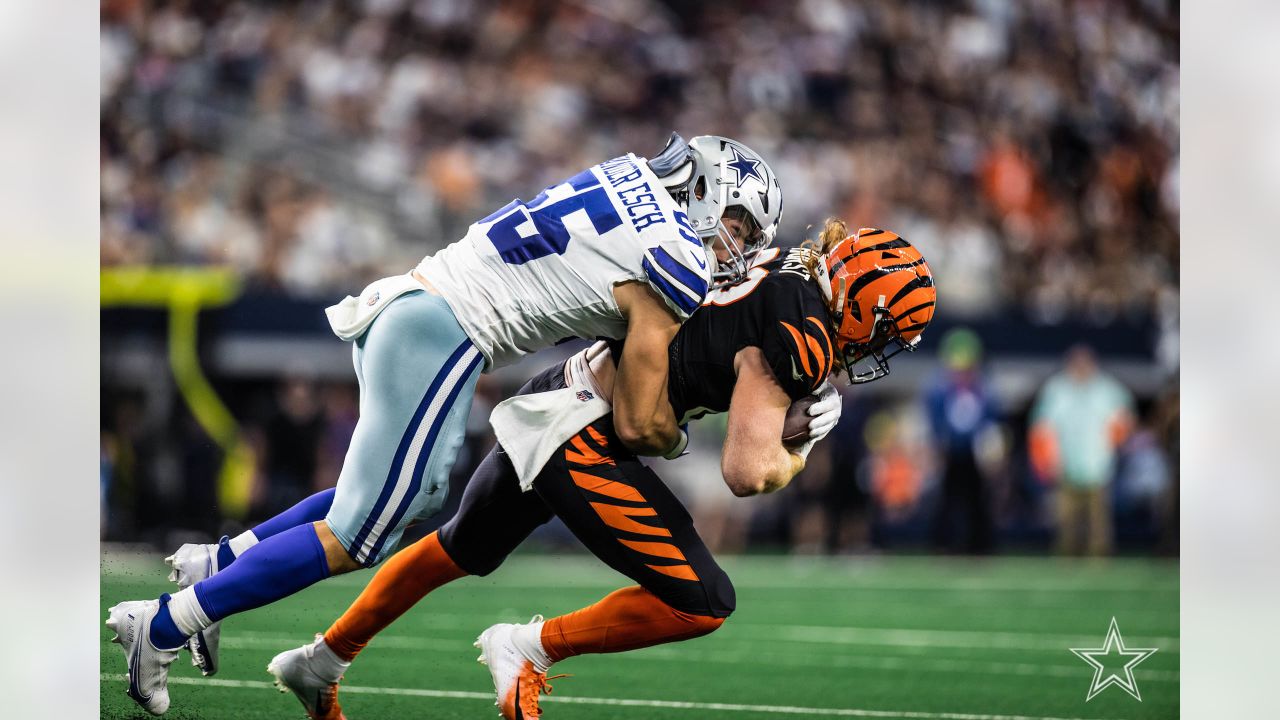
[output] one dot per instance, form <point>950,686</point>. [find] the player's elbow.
<point>743,481</point>
<point>643,437</point>
<point>756,473</point>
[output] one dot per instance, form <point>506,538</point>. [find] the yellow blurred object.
<point>139,286</point>
<point>184,292</point>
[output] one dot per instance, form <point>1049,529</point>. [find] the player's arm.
<point>754,460</point>
<point>642,414</point>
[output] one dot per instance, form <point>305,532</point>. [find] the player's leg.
<point>418,371</point>
<point>628,518</point>
<point>626,515</point>
<point>194,562</point>
<point>494,517</point>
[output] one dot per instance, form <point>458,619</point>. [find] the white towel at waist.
<point>351,317</point>
<point>532,427</point>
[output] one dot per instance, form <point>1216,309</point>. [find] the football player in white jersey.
<point>627,248</point>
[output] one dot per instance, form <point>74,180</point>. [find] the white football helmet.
<point>716,177</point>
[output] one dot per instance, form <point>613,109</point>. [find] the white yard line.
<point>250,640</point>
<point>622,702</point>
<point>838,635</point>
<point>844,635</point>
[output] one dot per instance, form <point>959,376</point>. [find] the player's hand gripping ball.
<point>795,428</point>
<point>810,418</point>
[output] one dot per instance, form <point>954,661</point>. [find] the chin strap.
<point>837,303</point>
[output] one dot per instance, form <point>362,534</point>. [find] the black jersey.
<point>780,309</point>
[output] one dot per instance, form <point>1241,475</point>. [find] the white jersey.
<point>533,274</point>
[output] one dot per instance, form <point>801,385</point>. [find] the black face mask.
<point>874,354</point>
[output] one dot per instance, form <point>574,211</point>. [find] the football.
<point>795,429</point>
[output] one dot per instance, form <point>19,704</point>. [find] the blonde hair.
<point>833,231</point>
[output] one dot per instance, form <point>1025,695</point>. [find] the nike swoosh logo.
<point>702,261</point>
<point>795,371</point>
<point>135,673</point>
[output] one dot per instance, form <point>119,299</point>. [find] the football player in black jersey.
<point>753,349</point>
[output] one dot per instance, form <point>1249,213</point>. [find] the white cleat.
<point>192,563</point>
<point>311,673</point>
<point>516,681</point>
<point>148,665</point>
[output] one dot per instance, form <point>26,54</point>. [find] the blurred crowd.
<point>1030,149</point>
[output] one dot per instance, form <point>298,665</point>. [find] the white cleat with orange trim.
<point>312,673</point>
<point>516,680</point>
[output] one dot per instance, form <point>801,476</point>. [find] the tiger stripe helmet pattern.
<point>882,298</point>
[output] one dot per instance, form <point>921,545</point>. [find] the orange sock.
<point>625,619</point>
<point>398,585</point>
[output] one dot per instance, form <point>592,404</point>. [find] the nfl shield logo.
<point>373,298</point>
<point>585,395</point>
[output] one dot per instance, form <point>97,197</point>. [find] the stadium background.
<point>261,160</point>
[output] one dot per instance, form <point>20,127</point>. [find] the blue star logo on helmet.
<point>743,167</point>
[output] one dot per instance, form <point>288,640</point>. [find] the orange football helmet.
<point>882,298</point>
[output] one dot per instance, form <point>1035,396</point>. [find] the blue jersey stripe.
<point>680,272</point>
<point>676,295</point>
<point>406,439</point>
<point>428,447</point>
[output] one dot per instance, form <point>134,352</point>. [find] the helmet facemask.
<point>740,252</point>
<point>871,355</point>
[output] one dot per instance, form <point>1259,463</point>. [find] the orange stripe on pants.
<point>660,549</point>
<point>600,485</point>
<point>684,572</point>
<point>618,517</point>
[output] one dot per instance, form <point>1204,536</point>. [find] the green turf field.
<point>928,639</point>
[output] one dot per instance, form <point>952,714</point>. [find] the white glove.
<point>824,414</point>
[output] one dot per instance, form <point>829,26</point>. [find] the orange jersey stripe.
<point>618,517</point>
<point>816,347</point>
<point>800,347</point>
<point>684,572</point>
<point>660,549</point>
<point>606,487</point>
<point>830,356</point>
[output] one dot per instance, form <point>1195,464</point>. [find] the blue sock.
<point>165,635</point>
<point>273,569</point>
<point>308,510</point>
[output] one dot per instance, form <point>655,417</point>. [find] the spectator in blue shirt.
<point>962,414</point>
